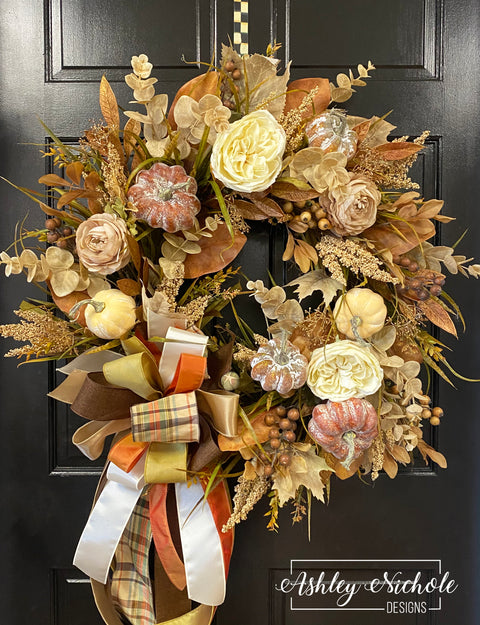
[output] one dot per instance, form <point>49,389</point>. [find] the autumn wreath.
<point>142,226</point>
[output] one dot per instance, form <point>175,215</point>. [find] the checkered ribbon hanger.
<point>240,26</point>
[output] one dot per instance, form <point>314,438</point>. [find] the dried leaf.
<point>52,180</point>
<point>362,129</point>
<point>244,437</point>
<point>108,104</point>
<point>389,465</point>
<point>302,259</point>
<point>216,252</point>
<point>265,88</point>
<point>74,194</point>
<point>316,281</point>
<point>304,470</point>
<point>400,454</point>
<point>437,315</point>
<point>288,253</point>
<point>436,456</point>
<point>129,287</point>
<point>132,127</point>
<point>74,172</point>
<point>396,151</point>
<point>288,191</point>
<point>134,252</point>
<point>259,209</point>
<point>67,302</point>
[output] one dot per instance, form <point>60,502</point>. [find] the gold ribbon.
<point>90,438</point>
<point>166,463</point>
<point>137,371</point>
<point>221,409</point>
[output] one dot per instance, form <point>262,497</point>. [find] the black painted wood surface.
<point>52,56</point>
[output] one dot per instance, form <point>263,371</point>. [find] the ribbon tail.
<point>202,548</point>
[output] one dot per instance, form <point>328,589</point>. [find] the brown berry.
<point>236,74</point>
<point>293,425</point>
<point>293,414</point>
<point>426,413</point>
<point>440,280</point>
<point>305,217</point>
<point>229,104</point>
<point>284,459</point>
<point>405,261</point>
<point>416,283</point>
<point>437,412</point>
<point>281,411</point>
<point>413,266</point>
<point>423,294</point>
<point>269,419</point>
<point>275,443</point>
<point>435,290</point>
<point>434,421</point>
<point>285,424</point>
<point>267,471</point>
<point>300,204</point>
<point>324,224</point>
<point>62,244</point>
<point>425,400</point>
<point>274,433</point>
<point>289,436</point>
<point>67,232</point>
<point>229,66</point>
<point>287,207</point>
<point>320,213</point>
<point>50,224</point>
<point>52,236</point>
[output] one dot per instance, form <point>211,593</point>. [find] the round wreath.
<point>142,227</point>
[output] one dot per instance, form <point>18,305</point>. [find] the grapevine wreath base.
<point>143,223</point>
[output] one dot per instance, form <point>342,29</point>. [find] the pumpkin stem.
<point>349,438</point>
<point>282,358</point>
<point>355,322</point>
<point>166,193</point>
<point>98,306</point>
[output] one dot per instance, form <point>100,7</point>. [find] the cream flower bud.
<point>343,370</point>
<point>102,245</point>
<point>247,156</point>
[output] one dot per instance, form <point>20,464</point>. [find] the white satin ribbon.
<point>108,519</point>
<point>201,546</point>
<point>181,342</point>
<point>90,362</point>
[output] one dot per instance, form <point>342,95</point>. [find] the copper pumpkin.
<point>330,132</point>
<point>164,197</point>
<point>279,367</point>
<point>345,429</point>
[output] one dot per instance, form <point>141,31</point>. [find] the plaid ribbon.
<point>172,419</point>
<point>131,586</point>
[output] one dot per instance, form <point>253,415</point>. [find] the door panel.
<point>53,55</point>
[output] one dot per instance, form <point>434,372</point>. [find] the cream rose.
<point>352,208</point>
<point>102,243</point>
<point>343,370</point>
<point>247,156</point>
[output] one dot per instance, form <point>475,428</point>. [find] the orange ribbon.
<point>127,452</point>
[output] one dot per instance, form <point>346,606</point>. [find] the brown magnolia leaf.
<point>259,210</point>
<point>340,471</point>
<point>298,89</point>
<point>400,237</point>
<point>362,129</point>
<point>288,191</point>
<point>216,253</point>
<point>244,437</point>
<point>92,181</point>
<point>74,171</point>
<point>435,455</point>
<point>248,210</point>
<point>67,302</point>
<point>52,180</point>
<point>400,454</point>
<point>435,313</point>
<point>129,287</point>
<point>397,151</point>
<point>108,104</point>
<point>298,226</point>
<point>389,465</point>
<point>196,89</point>
<point>134,252</point>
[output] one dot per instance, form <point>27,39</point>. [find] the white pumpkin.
<point>360,313</point>
<point>111,314</point>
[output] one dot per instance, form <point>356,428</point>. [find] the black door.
<point>53,54</point>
